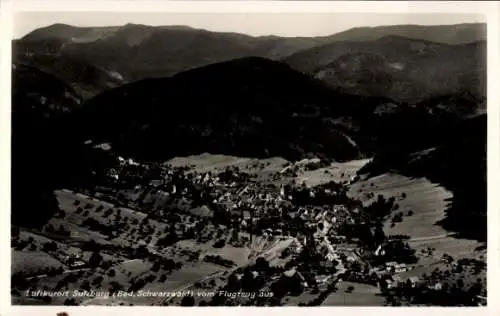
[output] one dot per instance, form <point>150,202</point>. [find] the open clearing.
<point>208,162</point>
<point>337,171</point>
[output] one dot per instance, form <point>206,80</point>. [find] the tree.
<point>220,243</point>
<point>98,280</point>
<point>15,231</point>
<point>187,301</point>
<point>86,285</point>
<point>156,267</point>
<point>95,260</point>
<point>111,273</point>
<point>261,264</point>
<point>70,302</point>
<point>50,246</point>
<point>49,228</point>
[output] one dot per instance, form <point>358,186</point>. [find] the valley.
<point>176,166</point>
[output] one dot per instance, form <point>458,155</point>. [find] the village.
<point>310,239</point>
<point>312,218</point>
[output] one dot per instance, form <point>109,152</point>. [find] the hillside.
<point>107,56</point>
<point>45,153</point>
<point>458,162</point>
<point>86,79</point>
<point>247,107</point>
<point>403,69</point>
<point>234,108</point>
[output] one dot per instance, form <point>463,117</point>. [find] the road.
<point>74,270</point>
<point>431,237</point>
<point>64,272</point>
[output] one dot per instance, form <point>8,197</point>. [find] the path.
<point>427,238</point>
<point>75,270</point>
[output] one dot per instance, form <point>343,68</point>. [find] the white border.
<point>490,9</point>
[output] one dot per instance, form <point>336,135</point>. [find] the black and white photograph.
<point>292,159</point>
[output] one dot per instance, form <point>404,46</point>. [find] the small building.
<point>437,286</point>
<point>320,279</point>
<point>414,281</point>
<point>398,268</point>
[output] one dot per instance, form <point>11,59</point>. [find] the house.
<point>398,268</point>
<point>390,283</point>
<point>77,264</point>
<point>393,281</point>
<point>378,252</point>
<point>413,281</point>
<point>396,279</point>
<point>156,183</point>
<point>390,266</point>
<point>320,279</point>
<point>438,286</point>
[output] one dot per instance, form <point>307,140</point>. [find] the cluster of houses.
<point>253,201</point>
<point>73,259</point>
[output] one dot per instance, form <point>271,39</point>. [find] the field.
<point>362,295</point>
<point>209,162</point>
<point>338,172</point>
<point>428,202</point>
<point>33,262</point>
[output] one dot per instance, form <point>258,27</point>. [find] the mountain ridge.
<point>406,70</point>
<point>134,51</point>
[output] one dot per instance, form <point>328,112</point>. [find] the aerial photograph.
<point>248,159</point>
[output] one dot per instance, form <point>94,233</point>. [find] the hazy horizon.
<point>254,24</point>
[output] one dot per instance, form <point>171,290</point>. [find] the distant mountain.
<point>402,69</point>
<point>116,55</point>
<point>447,34</point>
<point>249,107</point>
<point>94,59</point>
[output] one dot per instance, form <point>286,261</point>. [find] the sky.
<point>282,24</point>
